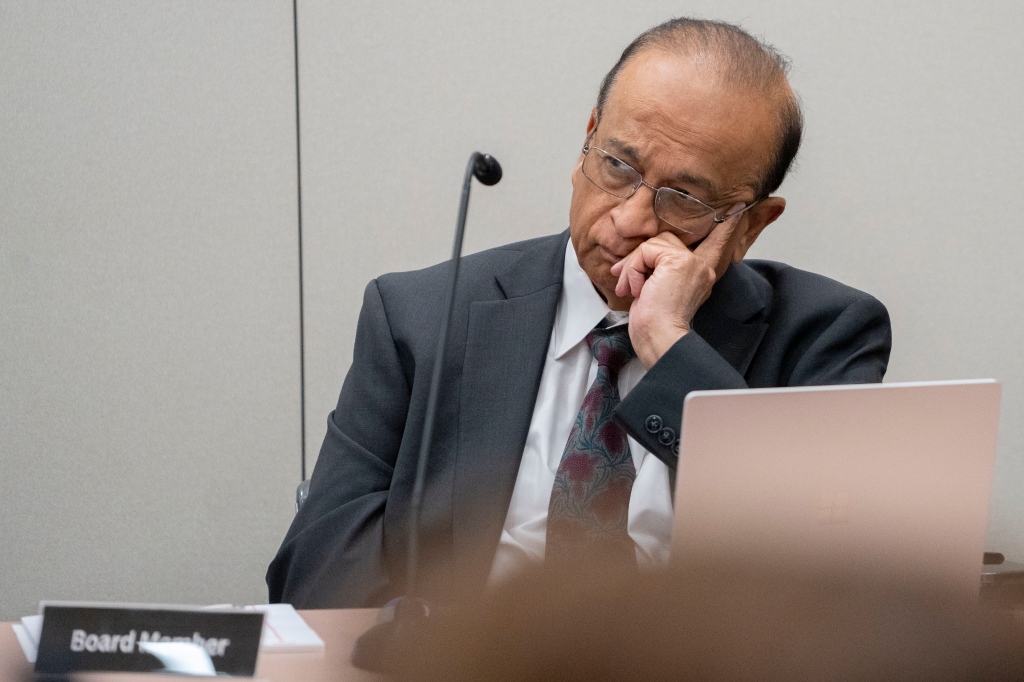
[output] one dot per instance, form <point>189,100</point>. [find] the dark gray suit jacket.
<point>765,324</point>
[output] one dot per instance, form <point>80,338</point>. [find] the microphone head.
<point>487,169</point>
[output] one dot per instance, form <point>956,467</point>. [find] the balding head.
<point>736,60</point>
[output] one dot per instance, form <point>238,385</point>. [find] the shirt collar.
<point>580,307</point>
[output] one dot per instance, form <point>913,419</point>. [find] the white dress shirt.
<point>569,370</point>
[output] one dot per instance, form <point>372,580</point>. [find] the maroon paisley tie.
<point>590,498</point>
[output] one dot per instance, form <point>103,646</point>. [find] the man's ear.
<point>758,218</point>
<point>591,126</point>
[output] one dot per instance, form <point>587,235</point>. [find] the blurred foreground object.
<point>719,624</point>
<point>1002,585</point>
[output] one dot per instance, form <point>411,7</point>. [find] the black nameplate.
<point>79,638</point>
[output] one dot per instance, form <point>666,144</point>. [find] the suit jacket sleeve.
<point>844,343</point>
<point>333,553</point>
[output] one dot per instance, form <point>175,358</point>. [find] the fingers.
<point>631,271</point>
<point>666,238</point>
<point>634,269</point>
<point>714,244</point>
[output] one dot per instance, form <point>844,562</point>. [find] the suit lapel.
<point>730,320</point>
<point>506,346</point>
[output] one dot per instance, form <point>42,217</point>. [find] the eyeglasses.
<point>680,210</point>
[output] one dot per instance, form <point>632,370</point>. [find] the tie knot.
<point>611,347</point>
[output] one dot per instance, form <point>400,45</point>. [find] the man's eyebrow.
<point>632,155</point>
<point>703,183</point>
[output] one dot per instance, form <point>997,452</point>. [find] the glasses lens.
<point>683,212</point>
<point>610,174</point>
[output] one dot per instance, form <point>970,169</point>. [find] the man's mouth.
<point>610,256</point>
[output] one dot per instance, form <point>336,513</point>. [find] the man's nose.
<point>634,217</point>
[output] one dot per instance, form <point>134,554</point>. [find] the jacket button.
<point>666,436</point>
<point>675,448</point>
<point>653,424</point>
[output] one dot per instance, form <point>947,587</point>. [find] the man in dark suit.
<point>693,131</point>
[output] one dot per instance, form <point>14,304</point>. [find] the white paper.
<point>27,632</point>
<point>27,645</point>
<point>34,627</point>
<point>284,630</point>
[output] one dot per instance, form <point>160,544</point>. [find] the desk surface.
<point>338,628</point>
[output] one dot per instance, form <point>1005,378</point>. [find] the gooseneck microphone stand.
<point>379,647</point>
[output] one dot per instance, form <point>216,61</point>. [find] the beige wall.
<point>149,421</point>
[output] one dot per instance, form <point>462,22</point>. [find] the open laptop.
<point>890,478</point>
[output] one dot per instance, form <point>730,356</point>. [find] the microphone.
<point>486,169</point>
<point>379,647</point>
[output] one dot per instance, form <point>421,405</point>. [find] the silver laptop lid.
<point>891,478</point>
